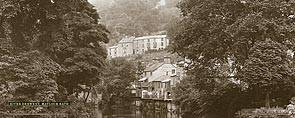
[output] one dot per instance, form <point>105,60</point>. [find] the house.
<point>125,47</point>
<point>161,68</point>
<point>162,86</point>
<point>159,78</point>
<point>112,51</point>
<point>146,43</point>
<point>131,45</point>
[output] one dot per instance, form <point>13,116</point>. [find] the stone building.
<point>112,51</point>
<point>159,78</point>
<point>125,47</point>
<point>131,45</point>
<point>146,43</point>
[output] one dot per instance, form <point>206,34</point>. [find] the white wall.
<point>141,45</point>
<point>112,52</point>
<point>162,71</point>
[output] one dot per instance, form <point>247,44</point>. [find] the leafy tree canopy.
<point>117,81</point>
<point>136,17</point>
<point>47,45</point>
<point>236,43</point>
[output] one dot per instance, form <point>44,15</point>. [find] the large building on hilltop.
<point>131,45</point>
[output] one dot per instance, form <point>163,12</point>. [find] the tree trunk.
<point>267,104</point>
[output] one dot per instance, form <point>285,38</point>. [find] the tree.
<point>27,77</point>
<point>136,18</point>
<point>117,81</point>
<point>50,45</point>
<point>212,32</point>
<point>268,71</point>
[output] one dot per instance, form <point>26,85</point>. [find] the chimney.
<point>167,60</point>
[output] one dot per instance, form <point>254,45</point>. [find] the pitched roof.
<point>143,79</point>
<point>166,80</point>
<point>126,40</point>
<point>148,37</point>
<point>113,47</point>
<point>154,67</point>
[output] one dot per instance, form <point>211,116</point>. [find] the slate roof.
<point>143,79</point>
<point>127,40</point>
<point>113,47</point>
<point>148,37</point>
<point>166,80</point>
<point>154,67</point>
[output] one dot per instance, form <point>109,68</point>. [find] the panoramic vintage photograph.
<point>147,59</point>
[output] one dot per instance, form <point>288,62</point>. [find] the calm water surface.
<point>133,113</point>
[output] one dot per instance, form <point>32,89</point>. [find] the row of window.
<point>154,45</point>
<point>173,72</point>
<point>162,39</point>
<point>167,72</point>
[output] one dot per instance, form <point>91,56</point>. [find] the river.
<point>134,113</point>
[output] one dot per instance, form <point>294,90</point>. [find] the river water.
<point>134,113</point>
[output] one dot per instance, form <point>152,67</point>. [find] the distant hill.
<point>136,17</point>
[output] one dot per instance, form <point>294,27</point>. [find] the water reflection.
<point>135,113</point>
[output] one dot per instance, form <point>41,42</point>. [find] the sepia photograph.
<point>147,59</point>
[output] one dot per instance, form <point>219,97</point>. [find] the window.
<point>162,43</point>
<point>162,39</point>
<point>167,73</point>
<point>151,73</point>
<point>155,45</point>
<point>173,71</point>
<point>148,40</point>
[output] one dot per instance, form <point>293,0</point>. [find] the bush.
<point>266,113</point>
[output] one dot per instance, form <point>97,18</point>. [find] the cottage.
<point>159,78</point>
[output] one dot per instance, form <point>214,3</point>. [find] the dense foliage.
<point>136,17</point>
<point>48,48</point>
<point>117,82</point>
<point>240,54</point>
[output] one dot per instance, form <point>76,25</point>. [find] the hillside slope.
<point>153,57</point>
